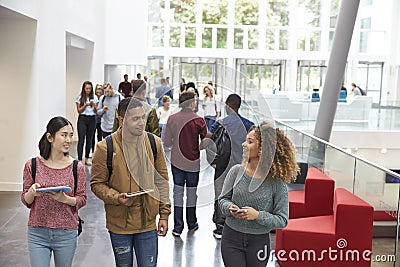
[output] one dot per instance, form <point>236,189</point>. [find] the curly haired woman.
<point>254,197</point>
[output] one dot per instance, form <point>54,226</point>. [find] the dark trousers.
<point>191,179</point>
<point>219,179</point>
<point>86,126</point>
<point>105,134</point>
<point>218,217</point>
<point>99,135</point>
<point>244,250</point>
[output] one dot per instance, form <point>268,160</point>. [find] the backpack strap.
<point>75,173</point>
<point>33,168</point>
<point>153,145</point>
<point>110,149</point>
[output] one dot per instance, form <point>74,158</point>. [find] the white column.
<point>262,24</point>
<point>337,62</point>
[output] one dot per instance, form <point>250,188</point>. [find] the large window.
<point>310,75</point>
<point>215,12</point>
<point>277,13</point>
<point>184,11</point>
<point>246,12</point>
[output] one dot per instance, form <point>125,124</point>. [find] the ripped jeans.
<point>145,245</point>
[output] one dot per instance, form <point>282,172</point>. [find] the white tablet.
<point>141,192</point>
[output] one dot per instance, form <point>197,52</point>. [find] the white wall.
<point>78,69</point>
<point>125,44</point>
<point>33,71</point>
<point>18,119</point>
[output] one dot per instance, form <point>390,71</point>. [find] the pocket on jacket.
<point>116,215</point>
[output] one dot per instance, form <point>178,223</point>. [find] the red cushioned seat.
<point>316,199</point>
<point>347,233</point>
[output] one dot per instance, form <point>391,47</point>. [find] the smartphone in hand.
<point>234,209</point>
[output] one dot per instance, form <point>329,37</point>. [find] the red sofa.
<point>332,240</point>
<point>316,199</point>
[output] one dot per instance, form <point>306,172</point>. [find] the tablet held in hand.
<point>63,188</point>
<point>141,192</point>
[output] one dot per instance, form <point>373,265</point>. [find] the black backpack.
<point>75,173</point>
<point>362,91</point>
<point>110,150</point>
<point>219,152</point>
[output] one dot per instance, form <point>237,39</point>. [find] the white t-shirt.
<point>163,115</point>
<point>210,106</point>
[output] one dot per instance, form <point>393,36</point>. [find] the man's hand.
<point>162,227</point>
<point>124,200</point>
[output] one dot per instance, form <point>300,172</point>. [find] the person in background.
<point>131,221</point>
<point>98,92</point>
<point>108,103</point>
<point>139,76</point>
<point>163,90</point>
<point>254,197</point>
<point>344,89</point>
<point>148,98</point>
<point>355,90</point>
<point>152,122</point>
<point>182,86</point>
<point>124,87</point>
<point>86,106</point>
<point>163,114</point>
<point>237,128</point>
<point>190,86</point>
<point>210,106</point>
<point>182,133</point>
<point>168,82</point>
<point>53,216</point>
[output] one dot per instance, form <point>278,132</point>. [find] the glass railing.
<point>374,184</point>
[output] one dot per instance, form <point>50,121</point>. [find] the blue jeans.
<point>145,245</point>
<point>42,241</point>
<point>162,128</point>
<point>191,179</point>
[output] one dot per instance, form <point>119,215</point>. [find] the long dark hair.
<point>83,93</point>
<point>54,125</point>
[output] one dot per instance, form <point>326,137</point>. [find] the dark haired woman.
<point>53,217</point>
<point>254,197</point>
<point>86,105</point>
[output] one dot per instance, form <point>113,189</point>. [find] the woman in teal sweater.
<point>254,197</point>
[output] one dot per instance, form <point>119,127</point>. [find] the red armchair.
<point>316,199</point>
<point>342,239</point>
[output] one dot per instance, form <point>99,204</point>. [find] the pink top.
<point>45,211</point>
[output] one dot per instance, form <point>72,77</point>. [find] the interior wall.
<point>78,69</point>
<point>126,32</point>
<point>19,116</point>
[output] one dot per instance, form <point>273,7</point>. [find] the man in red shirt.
<point>183,130</point>
<point>125,87</point>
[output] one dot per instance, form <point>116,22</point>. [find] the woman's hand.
<point>59,196</point>
<point>249,213</point>
<point>32,190</point>
<point>235,211</point>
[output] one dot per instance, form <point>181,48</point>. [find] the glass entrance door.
<point>370,79</point>
<point>197,70</point>
<point>310,75</point>
<point>265,75</point>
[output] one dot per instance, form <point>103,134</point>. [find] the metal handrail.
<point>341,150</point>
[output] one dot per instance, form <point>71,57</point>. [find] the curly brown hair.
<point>274,144</point>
